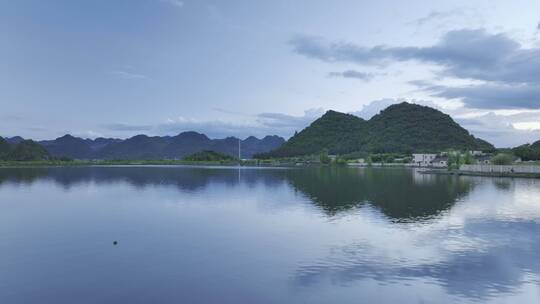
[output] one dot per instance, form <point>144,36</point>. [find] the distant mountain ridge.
<point>156,147</point>
<point>14,140</point>
<point>403,128</point>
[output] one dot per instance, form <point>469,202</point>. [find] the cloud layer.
<point>353,74</point>
<point>257,125</point>
<point>508,73</point>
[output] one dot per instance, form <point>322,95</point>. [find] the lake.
<point>255,235</point>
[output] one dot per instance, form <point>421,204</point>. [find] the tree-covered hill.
<point>5,148</point>
<point>402,128</point>
<point>336,131</point>
<point>528,152</point>
<point>409,127</point>
<point>27,150</point>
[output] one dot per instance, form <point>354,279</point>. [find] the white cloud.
<point>258,125</point>
<point>449,19</point>
<point>289,122</point>
<point>364,76</point>
<point>373,108</point>
<point>175,3</point>
<point>128,75</point>
<point>527,125</point>
<point>503,130</point>
<point>500,72</point>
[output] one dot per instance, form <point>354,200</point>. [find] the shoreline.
<point>120,163</point>
<point>245,163</point>
<point>484,174</point>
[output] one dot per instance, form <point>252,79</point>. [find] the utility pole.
<point>239,149</point>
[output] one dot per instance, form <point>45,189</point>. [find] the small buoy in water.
<point>115,243</point>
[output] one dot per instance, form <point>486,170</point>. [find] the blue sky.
<point>119,68</point>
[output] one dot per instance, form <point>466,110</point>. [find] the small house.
<point>440,162</point>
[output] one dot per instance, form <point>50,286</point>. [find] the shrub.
<point>324,158</point>
<point>502,159</point>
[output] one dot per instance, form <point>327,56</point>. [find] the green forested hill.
<point>27,150</point>
<point>399,128</point>
<point>336,131</point>
<point>528,152</point>
<point>408,127</point>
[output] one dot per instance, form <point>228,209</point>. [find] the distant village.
<point>446,159</point>
<point>441,160</point>
<point>431,160</point>
<point>470,162</point>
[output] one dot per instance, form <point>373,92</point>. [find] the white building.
<point>423,160</point>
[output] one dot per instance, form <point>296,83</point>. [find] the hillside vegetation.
<point>26,150</point>
<point>528,152</point>
<point>400,128</point>
<point>336,131</point>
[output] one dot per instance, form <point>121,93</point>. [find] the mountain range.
<point>400,128</point>
<point>155,147</point>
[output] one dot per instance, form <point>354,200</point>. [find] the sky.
<point>117,68</point>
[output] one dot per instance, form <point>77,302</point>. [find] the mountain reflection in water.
<point>396,192</point>
<point>275,235</point>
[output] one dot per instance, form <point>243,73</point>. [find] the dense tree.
<point>502,159</point>
<point>28,150</point>
<point>528,152</point>
<point>323,157</point>
<point>413,128</point>
<point>208,156</point>
<point>468,159</point>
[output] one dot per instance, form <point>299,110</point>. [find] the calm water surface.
<point>223,235</point>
